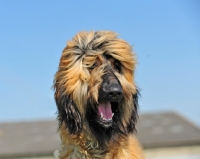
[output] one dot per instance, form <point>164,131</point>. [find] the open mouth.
<point>106,112</point>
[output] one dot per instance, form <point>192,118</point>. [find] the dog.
<point>97,98</point>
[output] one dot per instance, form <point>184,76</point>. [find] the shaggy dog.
<point>97,98</point>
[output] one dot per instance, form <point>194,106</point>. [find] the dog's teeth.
<point>101,115</point>
<point>107,119</point>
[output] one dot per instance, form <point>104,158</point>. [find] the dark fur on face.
<point>69,114</point>
<point>94,87</point>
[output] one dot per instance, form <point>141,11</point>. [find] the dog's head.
<point>94,85</point>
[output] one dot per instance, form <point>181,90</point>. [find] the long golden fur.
<point>88,63</point>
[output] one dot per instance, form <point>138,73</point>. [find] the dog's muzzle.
<point>110,94</point>
<point>111,90</point>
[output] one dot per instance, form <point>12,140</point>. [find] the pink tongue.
<point>105,109</point>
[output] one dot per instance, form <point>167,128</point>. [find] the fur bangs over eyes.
<point>81,53</point>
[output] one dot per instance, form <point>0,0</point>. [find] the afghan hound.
<point>97,98</point>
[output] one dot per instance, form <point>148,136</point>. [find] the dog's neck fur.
<point>80,146</point>
<point>83,146</point>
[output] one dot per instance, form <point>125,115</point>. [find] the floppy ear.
<point>68,113</point>
<point>134,115</point>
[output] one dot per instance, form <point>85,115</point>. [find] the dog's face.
<point>110,93</point>
<point>94,85</point>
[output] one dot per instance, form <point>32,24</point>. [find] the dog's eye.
<point>93,66</point>
<point>117,66</point>
<point>107,56</point>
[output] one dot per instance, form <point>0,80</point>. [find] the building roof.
<point>166,129</point>
<point>37,138</point>
<point>40,138</point>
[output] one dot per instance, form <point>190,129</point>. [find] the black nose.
<point>111,88</point>
<point>114,92</point>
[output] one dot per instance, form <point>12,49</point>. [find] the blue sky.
<point>165,35</point>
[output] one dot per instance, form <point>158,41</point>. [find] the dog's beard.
<point>105,121</point>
